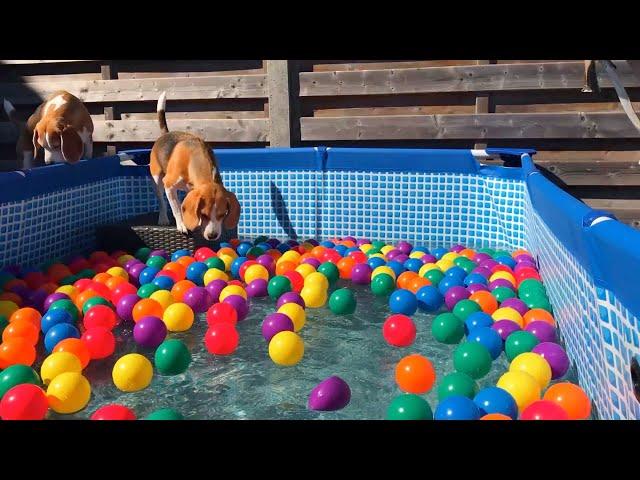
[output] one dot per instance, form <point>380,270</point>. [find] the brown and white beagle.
<point>182,161</point>
<point>61,125</point>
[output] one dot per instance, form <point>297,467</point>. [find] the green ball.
<point>93,301</point>
<point>473,359</point>
<point>377,244</point>
<point>488,251</point>
<point>457,383</point>
<point>434,276</point>
<point>86,273</point>
<point>147,289</point>
<point>373,251</point>
<point>278,285</point>
<point>215,262</point>
<point>383,284</point>
<point>260,239</point>
<point>526,295</point>
<point>143,254</point>
<point>69,280</point>
<point>68,306</point>
<point>519,342</point>
<point>16,375</point>
<point>409,407</point>
<point>503,293</point>
<point>255,252</point>
<point>156,262</point>
<point>342,302</point>
<point>464,308</point>
<point>464,263</point>
<point>172,357</point>
<point>501,253</point>
<point>164,414</point>
<point>539,301</point>
<point>330,271</point>
<point>530,284</point>
<point>3,323</point>
<point>447,328</point>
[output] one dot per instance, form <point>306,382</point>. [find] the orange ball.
<point>285,266</point>
<point>415,374</point>
<point>571,398</point>
<point>186,261</point>
<point>26,313</point>
<point>318,251</point>
<point>538,314</point>
<point>178,269</point>
<point>273,253</point>
<point>21,328</point>
<point>467,252</point>
<point>49,287</point>
<point>495,416</point>
<point>145,307</point>
<point>11,297</point>
<point>520,251</point>
<point>405,279</point>
<point>113,282</point>
<point>417,283</point>
<point>101,277</point>
<point>345,265</point>
<point>83,297</point>
<point>16,350</point>
<point>486,301</point>
<point>348,243</point>
<point>77,347</point>
<point>180,288</point>
<point>304,256</point>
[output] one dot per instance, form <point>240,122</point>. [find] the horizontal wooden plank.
<point>231,86</point>
<point>554,75</point>
<point>196,115</point>
<point>627,211</point>
<point>607,168</point>
<point>130,75</point>
<point>349,67</point>
<point>32,62</point>
<point>64,77</point>
<point>416,110</point>
<point>489,126</point>
<point>564,107</point>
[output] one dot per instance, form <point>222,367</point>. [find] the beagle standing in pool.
<point>61,125</point>
<point>182,161</point>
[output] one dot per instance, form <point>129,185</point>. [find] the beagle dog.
<point>61,125</point>
<point>182,161</point>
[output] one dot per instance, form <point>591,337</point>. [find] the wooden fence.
<point>585,140</point>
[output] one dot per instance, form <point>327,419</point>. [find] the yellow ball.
<point>444,264</point>
<point>417,254</point>
<point>296,313</point>
<point>118,272</point>
<point>68,392</point>
<point>228,260</point>
<point>314,297</point>
<point>58,363</point>
<point>316,280</point>
<point>503,275</point>
<point>428,267</point>
<point>132,372</point>
<point>450,256</point>
<point>227,251</point>
<point>255,272</point>
<point>123,259</point>
<point>214,274</point>
<point>289,256</point>
<point>305,269</point>
<point>508,313</point>
<point>386,249</point>
<point>286,348</point>
<point>232,290</point>
<point>7,307</point>
<point>68,290</point>
<point>383,269</point>
<point>533,364</point>
<point>365,247</point>
<point>178,317</point>
<point>379,255</point>
<point>521,386</point>
<point>307,246</point>
<point>163,297</point>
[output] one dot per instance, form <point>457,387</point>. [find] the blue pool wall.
<point>434,197</point>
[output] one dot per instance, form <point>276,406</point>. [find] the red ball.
<point>98,255</point>
<point>358,256</point>
<point>222,312</point>
<point>501,268</point>
<point>79,264</point>
<point>100,316</point>
<point>24,402</point>
<point>524,273</point>
<point>331,255</point>
<point>113,412</point>
<point>169,273</point>
<point>544,410</point>
<point>122,289</point>
<point>35,280</point>
<point>83,284</point>
<point>244,266</point>
<point>222,338</point>
<point>203,253</point>
<point>102,267</point>
<point>235,282</point>
<point>399,330</point>
<point>99,341</point>
<point>101,289</point>
<point>297,280</point>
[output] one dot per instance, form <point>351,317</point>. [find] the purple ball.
<point>149,332</point>
<point>481,257</point>
<point>555,356</point>
<point>454,295</point>
<point>214,288</point>
<point>361,274</point>
<point>404,247</point>
<point>273,242</point>
<point>267,262</point>
<point>391,254</point>
<point>292,243</point>
<point>125,305</point>
<point>22,291</point>
<point>54,297</point>
<point>522,265</point>
<point>160,253</point>
<point>523,257</point>
<point>14,270</point>
<point>240,304</point>
<point>456,248</point>
<point>428,258</point>
<point>314,262</point>
<point>362,241</point>
<point>505,328</point>
<point>517,304</point>
<point>329,395</point>
<point>500,282</point>
<point>290,297</point>
<point>488,263</point>
<point>544,331</point>
<point>313,242</point>
<point>484,271</point>
<point>135,270</point>
<point>476,287</point>
<point>401,258</point>
<point>276,323</point>
<point>130,263</point>
<point>257,288</point>
<point>36,300</point>
<point>198,298</point>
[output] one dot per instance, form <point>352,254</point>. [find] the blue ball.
<point>283,247</point>
<point>413,264</point>
<point>475,278</point>
<point>235,266</point>
<point>457,407</point>
<point>147,275</point>
<point>429,298</point>
<point>403,301</point>
<point>163,282</point>
<point>341,249</point>
<point>439,252</point>
<point>327,244</point>
<point>456,272</point>
<point>196,271</point>
<point>375,262</point>
<point>488,337</point>
<point>504,260</point>
<point>183,252</point>
<point>496,400</point>
<point>243,248</point>
<point>226,245</point>
<point>57,333</point>
<point>447,282</point>
<point>351,249</point>
<point>54,317</point>
<point>397,267</point>
<point>477,319</point>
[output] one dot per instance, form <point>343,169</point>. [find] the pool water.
<point>248,385</point>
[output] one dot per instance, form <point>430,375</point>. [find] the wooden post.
<point>281,80</point>
<point>108,72</point>
<point>482,104</point>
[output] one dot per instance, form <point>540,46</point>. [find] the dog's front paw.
<point>182,229</point>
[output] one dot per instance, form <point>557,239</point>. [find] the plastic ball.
<point>222,338</point>
<point>314,297</point>
<point>149,332</point>
<point>538,314</point>
<point>473,359</point>
<point>172,357</point>
<point>457,383</point>
<point>214,274</point>
<point>76,347</point>
<point>464,308</point>
<point>68,392</point>
<point>403,301</point>
<point>240,305</point>
<point>290,297</point>
<point>519,342</point>
<point>486,301</point>
<point>57,333</point>
<point>113,412</point>
<point>382,285</point>
<point>286,348</point>
<point>508,313</point>
<point>447,328</point>
<point>409,407</point>
<point>502,293</point>
<point>132,372</point>
<point>415,374</point>
<point>571,398</point>
<point>15,375</point>
<point>222,312</point>
<point>24,402</point>
<point>487,337</point>
<point>178,317</point>
<point>544,410</point>
<point>505,328</point>
<point>429,298</point>
<point>67,305</point>
<point>100,342</point>
<point>543,331</point>
<point>100,316</point>
<point>521,386</point>
<point>457,407</point>
<point>342,302</point>
<point>477,319</point>
<point>494,400</point>
<point>57,363</point>
<point>279,285</point>
<point>276,323</point>
<point>164,414</point>
<point>399,330</point>
<point>555,356</point>
<point>330,395</point>
<point>125,305</point>
<point>145,308</point>
<point>27,314</point>
<point>21,328</point>
<point>93,301</point>
<point>453,295</point>
<point>317,280</point>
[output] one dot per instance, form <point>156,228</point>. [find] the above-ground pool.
<point>431,198</point>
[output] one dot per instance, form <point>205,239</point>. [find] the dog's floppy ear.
<point>35,143</point>
<point>233,214</point>
<point>71,145</point>
<point>190,207</point>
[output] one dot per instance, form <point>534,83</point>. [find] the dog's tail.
<point>10,111</point>
<point>162,118</point>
